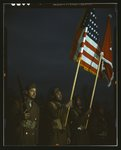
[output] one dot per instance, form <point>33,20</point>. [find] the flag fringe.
<point>87,69</point>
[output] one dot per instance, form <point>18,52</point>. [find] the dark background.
<point>38,42</point>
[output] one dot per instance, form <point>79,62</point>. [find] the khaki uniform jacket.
<point>27,130</point>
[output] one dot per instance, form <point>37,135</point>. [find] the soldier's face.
<point>78,102</point>
<point>32,93</point>
<point>58,95</point>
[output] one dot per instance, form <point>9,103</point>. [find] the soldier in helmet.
<point>58,135</point>
<point>27,118</point>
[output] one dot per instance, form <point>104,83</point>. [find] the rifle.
<point>20,86</point>
<point>26,105</point>
<point>21,89</point>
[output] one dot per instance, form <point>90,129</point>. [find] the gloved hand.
<point>89,112</point>
<point>81,128</point>
<point>69,104</point>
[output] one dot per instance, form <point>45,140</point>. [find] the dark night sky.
<point>39,42</point>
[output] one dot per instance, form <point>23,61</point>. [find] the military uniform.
<point>58,135</point>
<point>27,129</point>
<point>77,120</point>
<point>98,128</point>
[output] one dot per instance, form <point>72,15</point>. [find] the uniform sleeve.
<point>73,115</point>
<point>52,110</point>
<point>38,125</point>
<point>17,112</point>
<point>38,116</point>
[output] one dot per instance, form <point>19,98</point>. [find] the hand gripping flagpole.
<point>72,92</point>
<point>92,97</point>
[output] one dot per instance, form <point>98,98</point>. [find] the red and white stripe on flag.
<point>89,52</point>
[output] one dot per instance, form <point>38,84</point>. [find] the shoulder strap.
<point>53,104</point>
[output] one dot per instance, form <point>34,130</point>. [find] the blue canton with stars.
<point>90,21</point>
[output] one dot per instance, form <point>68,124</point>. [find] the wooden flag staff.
<point>92,97</point>
<point>72,92</point>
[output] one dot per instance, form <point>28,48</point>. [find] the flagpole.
<point>92,97</point>
<point>72,92</point>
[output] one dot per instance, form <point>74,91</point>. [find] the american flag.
<point>86,43</point>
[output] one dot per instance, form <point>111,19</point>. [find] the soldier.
<point>77,121</point>
<point>27,118</point>
<point>98,126</point>
<point>56,112</point>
